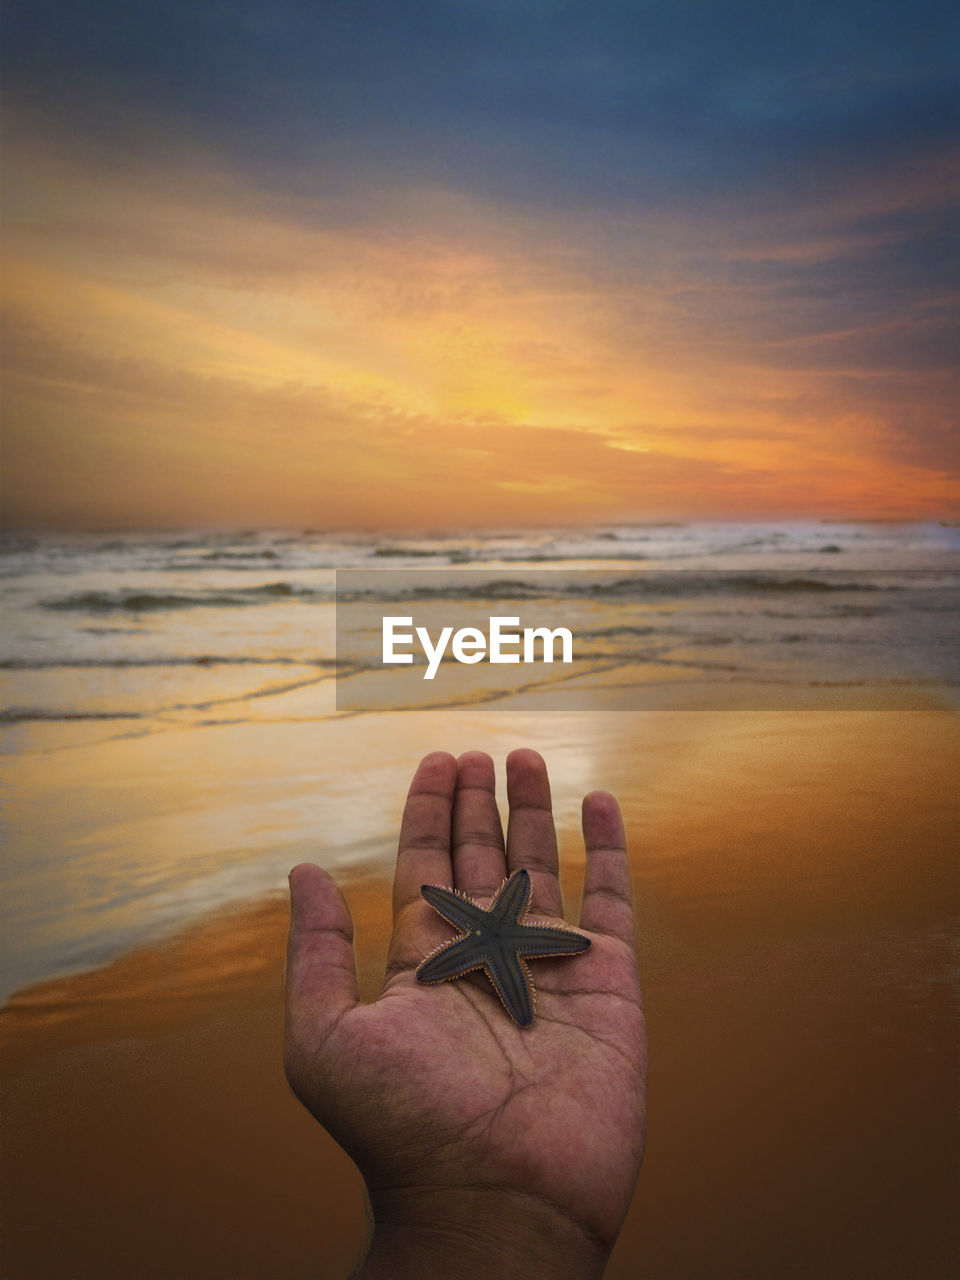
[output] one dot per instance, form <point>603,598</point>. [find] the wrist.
<point>472,1232</point>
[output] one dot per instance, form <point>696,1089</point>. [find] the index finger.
<point>423,855</point>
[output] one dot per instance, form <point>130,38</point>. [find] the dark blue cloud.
<point>740,114</point>
<point>571,103</point>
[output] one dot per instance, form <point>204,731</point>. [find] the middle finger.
<point>479,862</point>
<point>531,837</point>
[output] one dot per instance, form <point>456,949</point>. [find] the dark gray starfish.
<point>497,942</point>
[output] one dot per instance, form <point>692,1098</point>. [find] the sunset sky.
<point>479,262</point>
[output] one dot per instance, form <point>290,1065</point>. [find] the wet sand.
<point>797,899</point>
<point>148,1127</point>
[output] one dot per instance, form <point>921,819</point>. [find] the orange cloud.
<point>182,352</point>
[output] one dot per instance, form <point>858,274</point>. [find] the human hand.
<point>484,1147</point>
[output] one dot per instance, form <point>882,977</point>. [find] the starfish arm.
<point>453,907</point>
<point>545,940</point>
<point>511,979</point>
<point>451,960</point>
<point>512,898</point>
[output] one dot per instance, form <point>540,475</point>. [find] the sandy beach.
<point>797,893</point>
<point>388,378</point>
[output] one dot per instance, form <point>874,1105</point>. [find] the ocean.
<point>171,726</point>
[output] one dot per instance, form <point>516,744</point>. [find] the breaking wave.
<point>133,601</point>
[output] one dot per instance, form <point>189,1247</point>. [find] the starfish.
<point>497,942</point>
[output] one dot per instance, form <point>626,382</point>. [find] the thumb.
<point>321,970</point>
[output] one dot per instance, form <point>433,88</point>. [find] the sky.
<point>429,264</point>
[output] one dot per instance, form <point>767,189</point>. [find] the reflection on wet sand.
<point>797,893</point>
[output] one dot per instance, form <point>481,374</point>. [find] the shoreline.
<point>235,953</point>
<point>796,888</point>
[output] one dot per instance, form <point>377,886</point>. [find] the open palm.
<point>463,1124</point>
